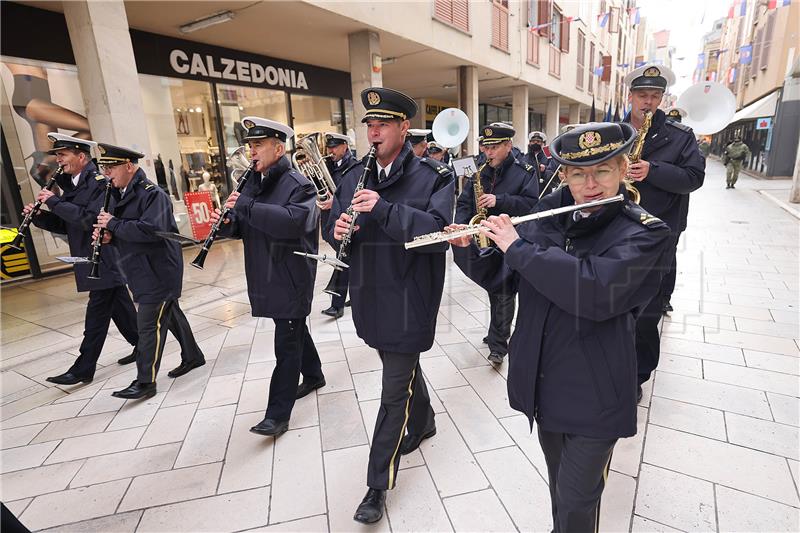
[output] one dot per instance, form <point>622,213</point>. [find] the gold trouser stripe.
<point>605,481</point>
<point>158,342</point>
<point>402,430</point>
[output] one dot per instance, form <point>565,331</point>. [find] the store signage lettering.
<point>231,69</point>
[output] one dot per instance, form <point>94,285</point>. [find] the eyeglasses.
<point>605,174</point>
<point>108,167</point>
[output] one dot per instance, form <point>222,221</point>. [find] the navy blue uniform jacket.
<point>581,287</point>
<point>73,214</point>
<point>276,216</point>
<point>514,184</point>
<point>337,172</point>
<point>676,168</point>
<point>153,267</point>
<point>396,292</point>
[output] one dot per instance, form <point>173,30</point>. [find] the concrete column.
<point>574,113</point>
<point>109,82</point>
<point>419,120</point>
<point>519,115</point>
<point>551,118</point>
<point>364,48</point>
<point>468,103</point>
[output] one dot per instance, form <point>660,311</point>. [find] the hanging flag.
<point>598,71</point>
<point>607,117</point>
<point>593,112</point>
<point>637,18</point>
<point>730,11</point>
<point>701,60</point>
<point>746,54</point>
<point>604,20</point>
<point>772,4</point>
<point>616,113</point>
<point>639,63</point>
<point>785,3</point>
<point>732,75</point>
<point>742,8</point>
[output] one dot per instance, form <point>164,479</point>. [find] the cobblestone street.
<point>717,448</point>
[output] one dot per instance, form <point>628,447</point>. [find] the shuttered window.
<point>555,62</point>
<point>452,12</point>
<point>606,77</point>
<point>757,51</point>
<point>545,9</point>
<point>765,46</point>
<point>580,59</point>
<point>590,88</point>
<point>500,24</point>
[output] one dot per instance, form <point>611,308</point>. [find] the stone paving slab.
<point>717,448</point>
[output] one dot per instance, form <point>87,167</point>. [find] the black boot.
<point>371,508</point>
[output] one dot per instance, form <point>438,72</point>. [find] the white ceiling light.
<point>199,24</point>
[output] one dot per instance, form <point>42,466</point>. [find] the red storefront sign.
<point>199,207</point>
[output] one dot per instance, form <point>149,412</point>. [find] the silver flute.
<point>474,229</point>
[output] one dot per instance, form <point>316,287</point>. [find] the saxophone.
<point>481,212</point>
<point>635,154</point>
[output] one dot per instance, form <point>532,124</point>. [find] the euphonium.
<point>23,227</point>
<point>635,154</point>
<point>481,212</point>
<point>310,162</point>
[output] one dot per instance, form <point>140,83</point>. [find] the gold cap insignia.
<point>487,132</point>
<point>102,150</point>
<point>248,124</point>
<point>373,98</point>
<point>674,113</point>
<point>652,72</point>
<point>590,139</point>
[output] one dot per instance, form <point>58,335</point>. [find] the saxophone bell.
<point>310,162</point>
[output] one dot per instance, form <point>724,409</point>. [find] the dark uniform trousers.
<point>104,305</point>
<point>405,405</point>
<point>341,288</point>
<point>295,354</point>
<point>502,306</point>
<point>648,339</point>
<point>577,468</point>
<point>154,320</point>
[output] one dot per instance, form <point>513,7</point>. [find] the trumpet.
<point>237,161</point>
<point>310,162</point>
<point>26,222</point>
<point>474,229</point>
<point>98,242</point>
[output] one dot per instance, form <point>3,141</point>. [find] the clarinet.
<point>344,247</point>
<point>23,227</point>
<point>98,242</point>
<point>212,235</point>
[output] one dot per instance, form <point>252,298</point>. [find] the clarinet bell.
<point>333,285</point>
<point>200,260</point>
<point>95,273</point>
<point>17,242</point>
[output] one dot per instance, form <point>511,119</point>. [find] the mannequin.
<point>210,186</point>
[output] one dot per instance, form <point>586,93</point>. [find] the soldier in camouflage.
<point>735,154</point>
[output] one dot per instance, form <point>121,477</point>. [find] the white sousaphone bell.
<point>450,127</point>
<point>709,106</point>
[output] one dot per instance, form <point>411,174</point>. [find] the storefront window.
<point>181,123</point>
<point>38,98</point>
<point>316,114</point>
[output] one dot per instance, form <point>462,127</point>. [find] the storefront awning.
<point>763,107</point>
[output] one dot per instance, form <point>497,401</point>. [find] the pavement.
<point>717,447</point>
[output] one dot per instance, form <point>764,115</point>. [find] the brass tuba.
<point>635,155</point>
<point>309,161</point>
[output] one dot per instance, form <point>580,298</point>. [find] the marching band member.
<point>582,278</point>
<point>419,141</point>
<point>152,266</point>
<point>341,160</point>
<point>436,151</point>
<point>671,167</point>
<point>510,187</point>
<point>275,215</point>
<point>73,213</point>
<point>395,293</point>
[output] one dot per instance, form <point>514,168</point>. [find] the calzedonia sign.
<point>166,56</point>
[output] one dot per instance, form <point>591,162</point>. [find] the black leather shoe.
<point>496,357</point>
<point>485,339</point>
<point>136,390</point>
<point>128,359</point>
<point>68,378</point>
<point>667,308</point>
<point>270,428</point>
<point>638,394</point>
<point>371,508</point>
<point>184,368</point>
<point>306,387</point>
<point>334,312</point>
<point>347,303</point>
<point>412,442</point>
